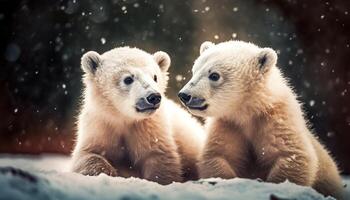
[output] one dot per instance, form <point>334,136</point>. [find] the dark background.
<point>42,42</point>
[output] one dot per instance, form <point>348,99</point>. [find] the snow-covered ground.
<point>47,177</point>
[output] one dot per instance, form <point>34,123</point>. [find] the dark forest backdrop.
<point>42,41</point>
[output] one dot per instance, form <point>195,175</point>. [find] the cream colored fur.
<point>256,127</point>
<point>114,139</point>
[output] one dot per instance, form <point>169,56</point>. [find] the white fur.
<point>115,139</point>
<point>254,119</point>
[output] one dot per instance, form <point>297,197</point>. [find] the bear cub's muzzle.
<point>191,102</point>
<point>149,103</point>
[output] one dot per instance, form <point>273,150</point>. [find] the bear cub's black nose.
<point>154,98</point>
<point>185,98</point>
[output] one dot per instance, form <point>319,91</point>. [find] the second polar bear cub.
<point>256,127</point>
<point>127,127</point>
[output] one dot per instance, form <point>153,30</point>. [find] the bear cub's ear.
<point>163,60</point>
<point>205,45</point>
<point>267,58</point>
<point>90,61</point>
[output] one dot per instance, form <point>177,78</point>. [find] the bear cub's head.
<point>126,80</point>
<point>224,75</point>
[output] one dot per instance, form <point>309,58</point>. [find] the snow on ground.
<point>46,177</point>
<point>44,162</point>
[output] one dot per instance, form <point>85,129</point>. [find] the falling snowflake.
<point>103,40</point>
<point>330,134</point>
<point>312,103</point>
<point>344,92</point>
<point>124,9</point>
<point>179,77</point>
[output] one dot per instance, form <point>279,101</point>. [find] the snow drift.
<point>46,177</point>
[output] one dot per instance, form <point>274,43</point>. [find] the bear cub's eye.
<point>155,78</point>
<point>128,80</point>
<point>214,76</point>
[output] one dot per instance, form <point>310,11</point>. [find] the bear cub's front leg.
<point>92,164</point>
<point>163,169</point>
<point>216,167</point>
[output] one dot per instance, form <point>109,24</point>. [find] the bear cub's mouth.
<point>201,108</point>
<point>147,110</point>
<point>148,104</point>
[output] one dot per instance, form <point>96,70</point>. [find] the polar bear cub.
<point>256,127</point>
<point>127,127</point>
